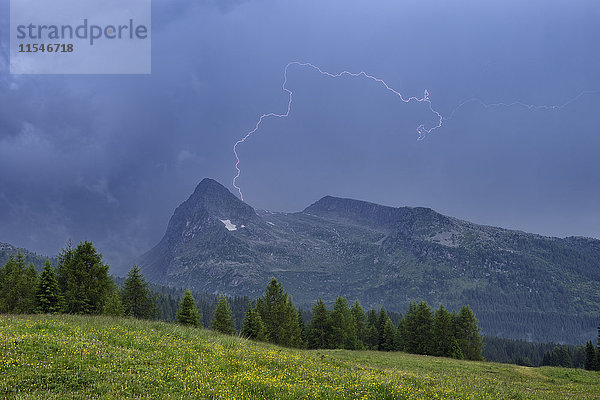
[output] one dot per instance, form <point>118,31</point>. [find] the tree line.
<point>274,318</point>
<point>80,284</point>
<point>532,354</point>
<point>168,300</point>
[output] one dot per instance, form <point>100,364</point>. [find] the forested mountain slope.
<point>520,285</point>
<point>7,250</point>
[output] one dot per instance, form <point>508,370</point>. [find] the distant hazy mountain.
<point>6,250</point>
<point>520,285</point>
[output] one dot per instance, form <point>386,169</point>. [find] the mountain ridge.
<point>381,255</point>
<point>38,261</point>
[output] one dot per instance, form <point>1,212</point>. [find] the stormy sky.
<point>108,158</point>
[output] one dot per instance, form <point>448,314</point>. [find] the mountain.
<point>520,285</point>
<point>7,250</point>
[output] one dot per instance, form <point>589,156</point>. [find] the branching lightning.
<point>520,104</point>
<point>421,129</point>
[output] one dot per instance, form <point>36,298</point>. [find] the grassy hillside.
<point>99,357</point>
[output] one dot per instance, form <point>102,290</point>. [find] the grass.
<point>66,357</point>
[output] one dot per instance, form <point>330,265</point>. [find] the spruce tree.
<point>467,334</point>
<point>591,356</point>
<point>400,336</point>
<point>19,282</point>
<point>83,279</point>
<point>564,358</point>
<point>388,342</point>
<point>551,358</point>
<point>222,320</point>
<point>408,323</point>
<point>48,296</point>
<point>418,326</point>
<point>269,308</point>
<point>320,327</point>
<point>187,314</point>
<point>253,327</point>
<point>113,305</point>
<point>455,351</point>
<point>343,326</point>
<point>2,286</point>
<point>382,318</point>
<point>291,325</point>
<point>137,299</point>
<point>443,333</point>
<point>371,339</point>
<point>30,282</point>
<point>424,328</point>
<point>360,320</point>
<point>302,327</point>
<point>597,366</point>
<point>8,290</point>
<point>279,316</point>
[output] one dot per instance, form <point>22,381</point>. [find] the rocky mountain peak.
<point>217,201</point>
<point>210,204</point>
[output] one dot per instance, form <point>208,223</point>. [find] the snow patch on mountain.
<point>228,225</point>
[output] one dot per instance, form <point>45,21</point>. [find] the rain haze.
<point>107,158</point>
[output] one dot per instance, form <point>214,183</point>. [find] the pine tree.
<point>564,358</point>
<point>399,341</point>
<point>343,326</point>
<point>30,282</point>
<point>418,326</point>
<point>467,334</point>
<point>222,320</point>
<point>443,333</point>
<point>10,285</point>
<point>291,325</point>
<point>408,324</point>
<point>597,366</point>
<point>83,279</point>
<point>187,314</point>
<point>371,331</point>
<point>360,319</point>
<point>455,351</point>
<point>382,318</point>
<point>320,327</point>
<point>253,327</point>
<point>137,300</point>
<point>279,315</point>
<point>389,336</point>
<point>424,328</point>
<point>550,358</point>
<point>302,327</point>
<point>113,305</point>
<point>48,296</point>
<point>371,337</point>
<point>591,356</point>
<point>18,284</point>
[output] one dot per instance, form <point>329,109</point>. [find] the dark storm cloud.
<point>108,158</point>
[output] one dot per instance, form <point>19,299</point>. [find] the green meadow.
<point>68,357</point>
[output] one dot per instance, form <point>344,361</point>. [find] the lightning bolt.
<point>421,130</point>
<point>520,104</point>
